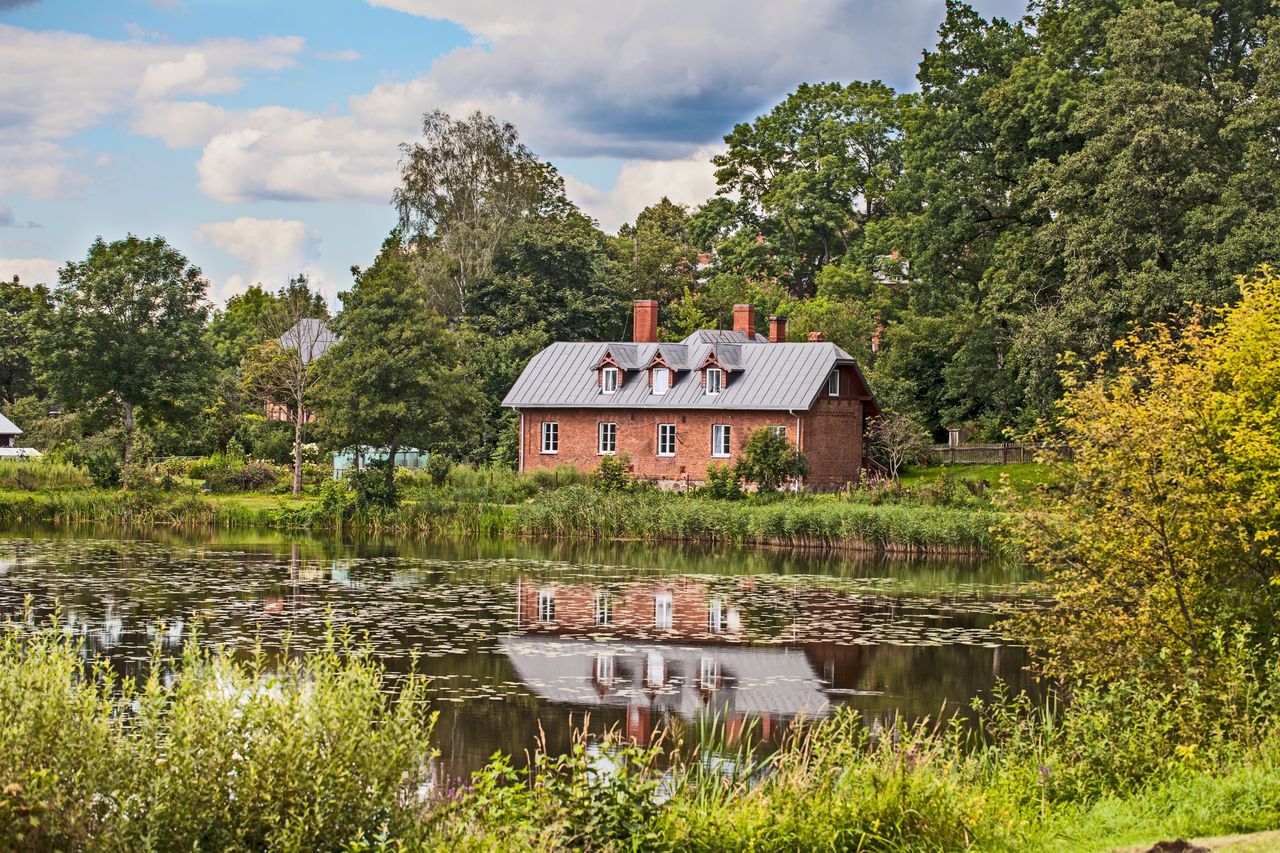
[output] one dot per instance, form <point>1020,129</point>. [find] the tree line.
<point>1054,181</point>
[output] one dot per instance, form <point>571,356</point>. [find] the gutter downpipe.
<point>521,459</point>
<point>799,437</point>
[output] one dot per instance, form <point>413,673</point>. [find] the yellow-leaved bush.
<point>1160,547</point>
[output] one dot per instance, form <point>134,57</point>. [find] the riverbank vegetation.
<point>1158,551</point>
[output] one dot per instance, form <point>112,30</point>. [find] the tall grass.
<point>315,753</point>
<point>31,474</point>
<point>575,511</point>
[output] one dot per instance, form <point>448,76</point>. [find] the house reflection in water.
<point>672,646</point>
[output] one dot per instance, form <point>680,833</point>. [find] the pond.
<point>521,637</point>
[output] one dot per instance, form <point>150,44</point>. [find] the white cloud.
<point>347,55</point>
<point>651,83</point>
<point>30,270</point>
<point>57,84</point>
<point>640,183</point>
<point>270,251</point>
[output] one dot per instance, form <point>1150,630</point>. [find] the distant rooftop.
<point>8,427</point>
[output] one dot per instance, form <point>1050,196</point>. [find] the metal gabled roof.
<point>724,336</point>
<point>8,427</point>
<point>784,376</point>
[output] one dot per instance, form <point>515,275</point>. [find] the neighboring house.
<point>9,432</point>
<point>355,459</point>
<point>675,407</point>
<point>9,448</point>
<point>310,337</point>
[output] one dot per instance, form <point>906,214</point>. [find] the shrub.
<point>104,469</point>
<point>769,460</point>
<point>371,489</point>
<point>209,754</point>
<point>438,468</point>
<point>722,482</point>
<point>613,473</point>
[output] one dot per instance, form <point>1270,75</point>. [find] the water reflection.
<point>519,637</point>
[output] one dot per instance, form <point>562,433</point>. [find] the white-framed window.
<point>833,384</point>
<point>715,380</point>
<point>663,611</point>
<point>608,439</point>
<point>550,437</point>
<point>715,616</point>
<point>666,439</point>
<point>721,439</point>
<point>655,669</point>
<point>708,672</point>
<point>778,430</point>
<point>661,380</point>
<point>609,380</point>
<point>604,608</point>
<point>546,605</point>
<point>604,669</point>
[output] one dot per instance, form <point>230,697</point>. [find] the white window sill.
<point>721,455</point>
<point>667,455</point>
<point>548,452</point>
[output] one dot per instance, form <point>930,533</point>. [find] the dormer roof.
<point>778,376</point>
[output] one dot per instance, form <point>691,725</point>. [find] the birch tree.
<point>278,370</point>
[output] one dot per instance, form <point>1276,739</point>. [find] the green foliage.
<point>126,325</point>
<point>1164,530</point>
<point>45,473</point>
<point>295,754</point>
<point>438,468</point>
<point>723,482</point>
<point>18,307</point>
<point>243,323</point>
<point>104,469</point>
<point>613,473</point>
<point>395,378</point>
<point>769,460</point>
<point>374,488</point>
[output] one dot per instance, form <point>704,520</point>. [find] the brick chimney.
<point>815,337</point>
<point>744,320</point>
<point>777,330</point>
<point>644,322</point>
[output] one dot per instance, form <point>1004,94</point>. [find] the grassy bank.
<point>316,754</point>
<point>569,512</point>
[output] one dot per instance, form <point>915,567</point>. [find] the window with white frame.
<point>721,439</point>
<point>604,608</point>
<point>550,437</point>
<point>715,616</point>
<point>833,384</point>
<point>655,669</point>
<point>546,605</point>
<point>708,672</point>
<point>609,380</point>
<point>666,439</point>
<point>663,610</point>
<point>604,669</point>
<point>661,380</point>
<point>715,380</point>
<point>778,430</point>
<point>608,436</point>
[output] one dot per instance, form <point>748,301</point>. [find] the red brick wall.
<point>831,436</point>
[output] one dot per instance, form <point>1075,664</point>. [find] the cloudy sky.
<point>261,137</point>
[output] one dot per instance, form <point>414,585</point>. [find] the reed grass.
<point>316,752</point>
<point>33,474</point>
<point>571,512</point>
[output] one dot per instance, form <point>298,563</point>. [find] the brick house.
<point>676,407</point>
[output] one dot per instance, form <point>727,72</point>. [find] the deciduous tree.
<point>126,325</point>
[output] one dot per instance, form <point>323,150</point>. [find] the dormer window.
<point>661,380</point>
<point>609,380</point>
<point>833,384</point>
<point>715,380</point>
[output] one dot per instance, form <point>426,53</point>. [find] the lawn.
<point>1025,478</point>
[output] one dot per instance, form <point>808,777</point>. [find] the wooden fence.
<point>992,454</point>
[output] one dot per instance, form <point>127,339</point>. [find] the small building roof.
<point>8,427</point>
<point>762,375</point>
<point>311,336</point>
